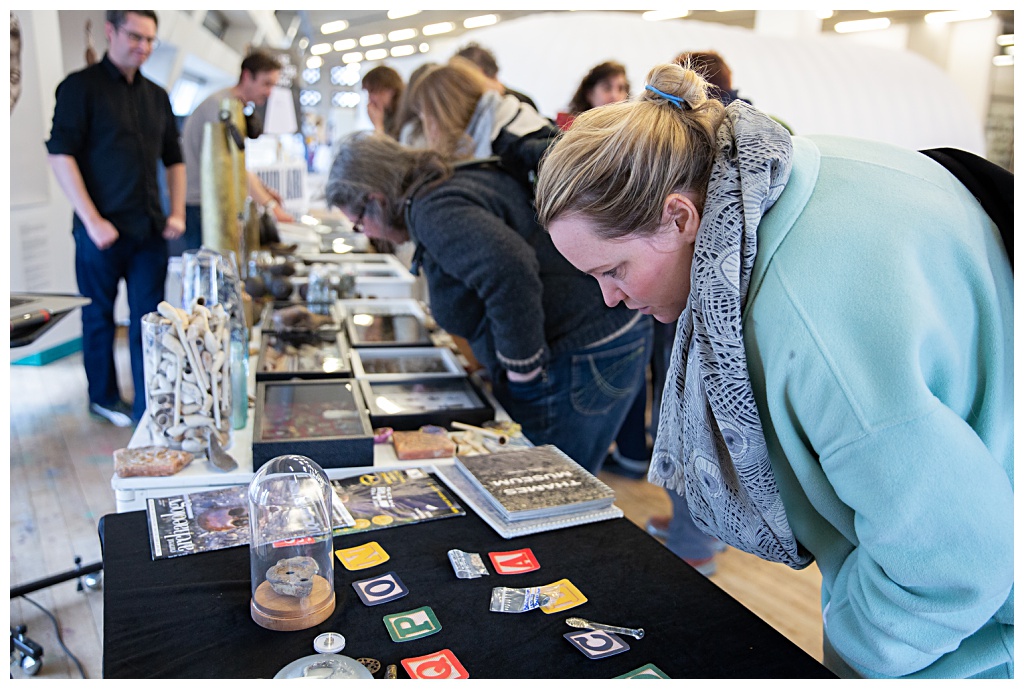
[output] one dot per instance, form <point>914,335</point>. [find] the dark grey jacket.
<point>496,279</point>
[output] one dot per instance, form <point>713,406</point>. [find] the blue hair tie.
<point>675,100</point>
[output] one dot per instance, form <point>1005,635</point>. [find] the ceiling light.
<point>824,14</point>
<point>303,42</point>
<point>376,54</point>
<point>424,47</point>
<point>349,58</point>
<point>1003,60</point>
<point>863,25</point>
<point>345,44</point>
<point>659,15</point>
<point>402,35</point>
<point>320,49</point>
<point>402,50</point>
<point>955,16</point>
<point>334,27</point>
<point>398,14</point>
<point>1004,39</point>
<point>482,20</point>
<point>315,62</point>
<point>372,39</point>
<point>434,29</point>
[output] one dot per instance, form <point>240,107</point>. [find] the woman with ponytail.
<point>841,386</point>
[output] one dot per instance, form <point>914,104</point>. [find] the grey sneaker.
<point>119,414</point>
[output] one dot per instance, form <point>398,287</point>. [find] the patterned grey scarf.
<point>710,445</point>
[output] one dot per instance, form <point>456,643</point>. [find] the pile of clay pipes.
<point>188,379</point>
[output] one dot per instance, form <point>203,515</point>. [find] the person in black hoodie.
<point>563,364</point>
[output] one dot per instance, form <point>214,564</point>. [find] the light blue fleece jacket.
<point>879,337</point>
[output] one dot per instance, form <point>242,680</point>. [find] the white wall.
<point>42,251</point>
<point>817,85</point>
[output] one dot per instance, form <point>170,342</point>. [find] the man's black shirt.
<point>116,132</point>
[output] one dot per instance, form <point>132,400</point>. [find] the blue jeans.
<point>143,265</point>
<point>579,401</point>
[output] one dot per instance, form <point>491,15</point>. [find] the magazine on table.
<point>382,499</point>
<point>210,520</point>
<point>535,483</point>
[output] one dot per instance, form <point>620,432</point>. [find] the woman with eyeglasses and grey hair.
<point>841,387</point>
<point>563,364</point>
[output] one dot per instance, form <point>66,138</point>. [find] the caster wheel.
<point>31,665</point>
<point>94,581</point>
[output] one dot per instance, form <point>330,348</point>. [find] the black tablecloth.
<point>189,616</point>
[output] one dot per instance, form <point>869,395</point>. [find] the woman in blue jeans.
<point>563,364</point>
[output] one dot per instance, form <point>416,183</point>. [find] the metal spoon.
<point>218,457</point>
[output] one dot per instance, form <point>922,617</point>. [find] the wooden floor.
<point>60,472</point>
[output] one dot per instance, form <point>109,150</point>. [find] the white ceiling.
<point>363,22</point>
<point>373,21</point>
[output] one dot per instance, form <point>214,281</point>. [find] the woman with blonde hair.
<point>463,118</point>
<point>841,387</point>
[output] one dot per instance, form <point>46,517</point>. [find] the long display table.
<point>189,616</point>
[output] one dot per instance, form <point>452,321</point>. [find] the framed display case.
<point>385,323</point>
<point>301,316</point>
<point>325,420</point>
<point>380,276</point>
<point>401,363</point>
<point>307,355</point>
<point>408,404</point>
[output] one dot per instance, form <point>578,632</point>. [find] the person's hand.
<point>281,215</point>
<point>275,195</point>
<point>516,377</point>
<point>174,228</point>
<point>102,233</point>
<point>376,114</point>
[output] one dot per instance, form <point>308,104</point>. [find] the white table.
<point>131,493</point>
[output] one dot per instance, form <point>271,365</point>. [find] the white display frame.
<point>452,365</point>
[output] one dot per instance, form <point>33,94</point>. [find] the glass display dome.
<point>291,545</point>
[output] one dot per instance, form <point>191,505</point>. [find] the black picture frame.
<point>478,411</point>
<point>332,341</point>
<point>329,450</point>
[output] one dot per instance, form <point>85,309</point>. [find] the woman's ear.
<point>680,211</point>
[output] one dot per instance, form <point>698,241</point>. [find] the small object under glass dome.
<point>324,666</point>
<point>291,545</point>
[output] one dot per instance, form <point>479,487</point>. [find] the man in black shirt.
<point>110,127</point>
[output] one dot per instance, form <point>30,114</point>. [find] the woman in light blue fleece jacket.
<point>843,368</point>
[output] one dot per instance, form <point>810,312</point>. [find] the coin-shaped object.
<point>329,642</point>
<point>372,664</point>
